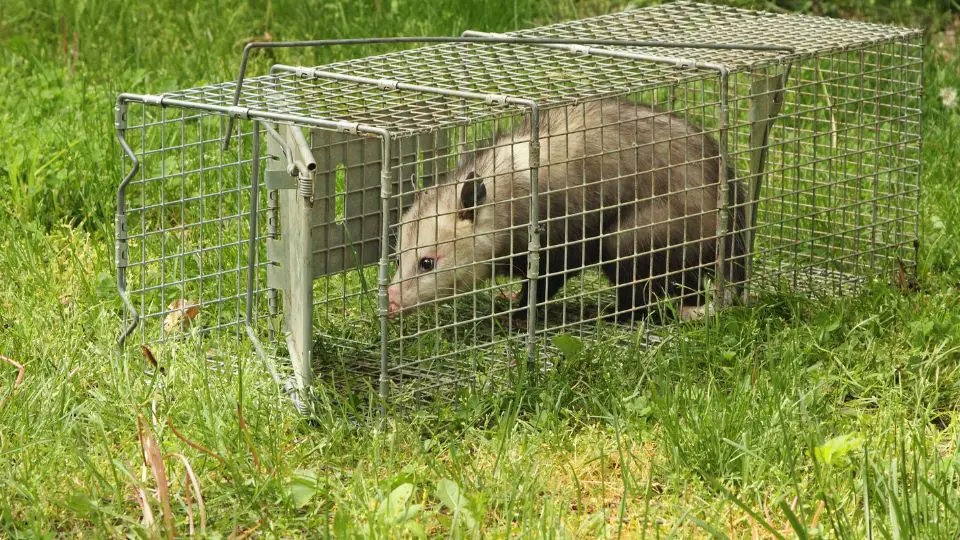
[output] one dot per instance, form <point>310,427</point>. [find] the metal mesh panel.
<point>705,23</point>
<point>541,74</point>
<point>187,231</point>
<point>838,201</point>
<point>601,260</point>
<point>662,188</point>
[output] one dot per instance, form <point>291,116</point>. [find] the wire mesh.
<point>187,232</point>
<point>664,188</point>
<point>838,201</point>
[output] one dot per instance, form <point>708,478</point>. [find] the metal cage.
<point>614,181</point>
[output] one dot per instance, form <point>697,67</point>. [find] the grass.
<point>835,418</point>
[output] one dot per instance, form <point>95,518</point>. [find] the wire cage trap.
<point>422,221</point>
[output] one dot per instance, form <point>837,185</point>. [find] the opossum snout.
<point>393,295</point>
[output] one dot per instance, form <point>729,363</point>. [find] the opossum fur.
<point>623,187</point>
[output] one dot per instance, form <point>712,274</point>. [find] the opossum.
<point>622,187</point>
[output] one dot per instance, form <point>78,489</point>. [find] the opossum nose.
<point>393,295</point>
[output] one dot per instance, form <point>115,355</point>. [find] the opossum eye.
<point>426,264</point>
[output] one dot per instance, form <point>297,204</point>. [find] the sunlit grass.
<point>835,418</point>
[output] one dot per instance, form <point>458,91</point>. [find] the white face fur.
<point>442,246</point>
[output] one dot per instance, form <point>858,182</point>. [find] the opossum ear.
<point>467,158</point>
<point>473,193</point>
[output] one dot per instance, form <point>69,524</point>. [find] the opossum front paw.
<point>694,313</point>
<point>510,296</point>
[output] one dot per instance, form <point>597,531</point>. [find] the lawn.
<point>836,418</point>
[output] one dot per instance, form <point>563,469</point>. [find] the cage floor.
<point>352,365</point>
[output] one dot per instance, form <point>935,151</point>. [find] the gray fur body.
<point>622,187</point>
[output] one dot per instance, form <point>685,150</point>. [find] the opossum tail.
<point>735,270</point>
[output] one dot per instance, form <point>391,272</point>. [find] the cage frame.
<point>297,318</point>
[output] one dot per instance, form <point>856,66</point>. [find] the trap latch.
<point>296,161</point>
